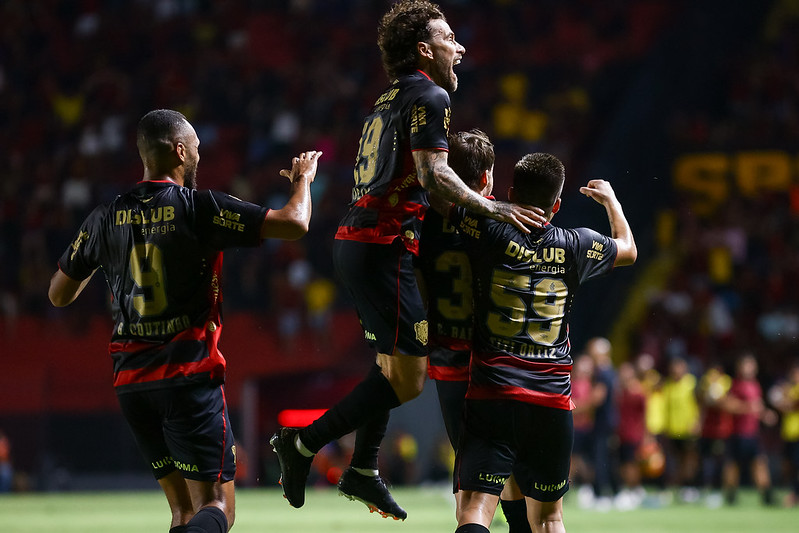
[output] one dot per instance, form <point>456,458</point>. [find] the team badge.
<point>421,331</point>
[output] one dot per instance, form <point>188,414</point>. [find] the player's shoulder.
<point>419,85</point>
<point>573,235</point>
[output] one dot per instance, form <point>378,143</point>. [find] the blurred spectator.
<point>6,468</point>
<point>745,402</point>
<point>714,387</point>
<point>606,417</point>
<point>631,432</point>
<point>785,397</point>
<point>681,429</point>
<point>583,417</point>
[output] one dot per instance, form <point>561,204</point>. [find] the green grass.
<point>430,511</point>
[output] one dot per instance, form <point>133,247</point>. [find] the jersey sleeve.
<point>594,253</point>
<point>82,257</point>
<point>430,115</point>
<point>224,221</point>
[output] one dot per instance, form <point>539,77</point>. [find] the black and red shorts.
<point>382,283</point>
<point>185,428</point>
<point>504,437</point>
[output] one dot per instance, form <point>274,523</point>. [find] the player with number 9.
<point>401,156</point>
<point>160,247</point>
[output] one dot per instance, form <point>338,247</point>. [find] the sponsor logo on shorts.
<point>494,479</point>
<point>368,335</point>
<point>169,461</point>
<point>233,449</point>
<point>549,487</point>
<point>421,331</point>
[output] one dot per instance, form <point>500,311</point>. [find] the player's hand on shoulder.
<point>521,216</point>
<point>599,190</point>
<point>303,165</point>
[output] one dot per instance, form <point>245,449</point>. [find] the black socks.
<point>472,528</point>
<point>515,512</point>
<point>371,398</point>
<point>367,442</point>
<point>208,520</point>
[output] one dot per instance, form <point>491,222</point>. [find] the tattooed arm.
<point>436,176</point>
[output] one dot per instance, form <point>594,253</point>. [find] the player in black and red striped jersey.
<point>160,247</point>
<point>518,407</point>
<point>402,155</point>
<point>446,274</point>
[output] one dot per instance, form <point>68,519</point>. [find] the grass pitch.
<point>430,510</point>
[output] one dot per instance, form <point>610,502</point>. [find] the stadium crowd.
<point>261,80</point>
<point>731,299</point>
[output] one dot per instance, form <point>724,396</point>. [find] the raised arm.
<point>291,221</point>
<point>436,176</point>
<point>602,192</point>
<point>64,290</point>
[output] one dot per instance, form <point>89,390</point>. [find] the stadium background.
<point>690,109</point>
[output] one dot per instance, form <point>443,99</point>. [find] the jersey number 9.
<point>147,271</point>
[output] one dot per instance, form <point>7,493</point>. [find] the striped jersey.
<point>388,202</point>
<point>524,286</point>
<point>160,247</point>
<point>447,276</point>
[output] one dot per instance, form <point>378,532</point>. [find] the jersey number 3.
<point>147,271</point>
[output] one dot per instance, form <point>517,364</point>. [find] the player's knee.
<point>408,388</point>
<point>546,516</point>
<point>230,513</point>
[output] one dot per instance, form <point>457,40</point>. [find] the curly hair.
<point>405,24</point>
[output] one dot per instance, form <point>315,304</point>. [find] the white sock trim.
<point>301,447</point>
<point>366,471</point>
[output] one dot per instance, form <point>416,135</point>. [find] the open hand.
<point>303,165</point>
<point>519,215</point>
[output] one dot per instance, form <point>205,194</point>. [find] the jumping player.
<point>160,247</point>
<point>447,289</point>
<point>402,154</point>
<point>518,407</point>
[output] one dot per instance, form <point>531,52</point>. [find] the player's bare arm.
<point>64,290</point>
<point>602,192</point>
<point>291,221</point>
<point>436,176</point>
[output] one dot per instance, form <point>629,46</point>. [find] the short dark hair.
<point>538,179</point>
<point>470,154</point>
<point>405,24</point>
<point>159,129</point>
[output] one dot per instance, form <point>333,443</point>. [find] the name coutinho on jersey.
<point>155,328</point>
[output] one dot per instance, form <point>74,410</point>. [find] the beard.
<point>446,77</point>
<point>190,177</point>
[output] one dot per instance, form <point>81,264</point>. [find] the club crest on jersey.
<point>421,331</point>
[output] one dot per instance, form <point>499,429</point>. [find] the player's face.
<point>192,160</point>
<point>447,52</point>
